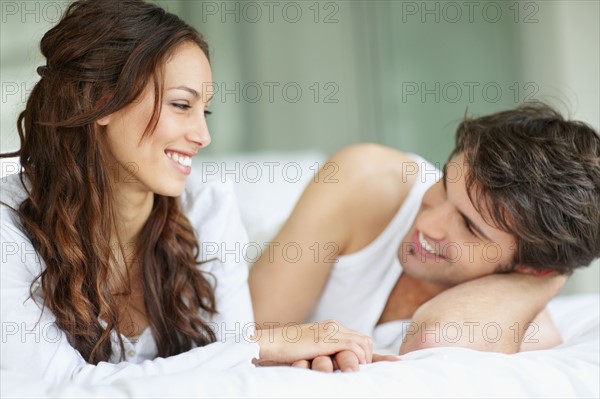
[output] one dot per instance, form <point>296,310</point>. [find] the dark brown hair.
<point>536,175</point>
<point>100,57</point>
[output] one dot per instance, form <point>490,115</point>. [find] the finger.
<point>358,351</point>
<point>368,348</point>
<point>269,363</point>
<point>303,364</point>
<point>347,361</point>
<point>385,358</point>
<point>349,340</point>
<point>335,364</point>
<point>366,344</point>
<point>323,363</point>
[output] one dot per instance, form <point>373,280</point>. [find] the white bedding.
<point>569,370</point>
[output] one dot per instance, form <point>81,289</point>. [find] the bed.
<point>571,369</point>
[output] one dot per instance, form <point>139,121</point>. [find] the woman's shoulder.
<point>204,197</point>
<point>12,190</point>
<point>212,208</point>
<point>12,194</point>
<point>17,249</point>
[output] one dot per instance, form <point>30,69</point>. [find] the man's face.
<point>449,242</point>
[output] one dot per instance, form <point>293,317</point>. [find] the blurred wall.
<point>562,53</point>
<point>294,75</point>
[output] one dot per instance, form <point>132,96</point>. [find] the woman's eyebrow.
<point>193,92</point>
<point>188,89</point>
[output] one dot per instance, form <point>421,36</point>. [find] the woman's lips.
<point>186,170</point>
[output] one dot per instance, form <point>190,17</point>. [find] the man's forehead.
<point>456,166</point>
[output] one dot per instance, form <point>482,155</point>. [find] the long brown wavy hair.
<point>100,57</point>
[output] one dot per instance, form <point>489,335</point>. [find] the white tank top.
<point>361,282</point>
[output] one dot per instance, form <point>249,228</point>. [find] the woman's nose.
<point>198,132</point>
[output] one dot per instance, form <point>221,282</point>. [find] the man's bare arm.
<point>337,214</point>
<point>542,334</point>
<point>488,314</point>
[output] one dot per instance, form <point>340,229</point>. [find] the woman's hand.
<point>295,342</point>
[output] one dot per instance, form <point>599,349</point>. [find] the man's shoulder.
<point>369,157</point>
<point>375,167</point>
<point>377,181</point>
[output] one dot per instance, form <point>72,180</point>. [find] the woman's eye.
<point>183,107</point>
<point>207,112</point>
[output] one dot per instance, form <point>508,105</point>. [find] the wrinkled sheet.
<point>571,369</point>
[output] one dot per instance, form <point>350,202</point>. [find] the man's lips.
<point>423,252</point>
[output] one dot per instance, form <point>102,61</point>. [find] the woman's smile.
<point>182,162</point>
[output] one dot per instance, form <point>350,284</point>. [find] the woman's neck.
<point>133,208</point>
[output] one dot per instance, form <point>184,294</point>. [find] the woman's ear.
<point>104,121</point>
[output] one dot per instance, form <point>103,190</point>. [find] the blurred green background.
<point>320,75</point>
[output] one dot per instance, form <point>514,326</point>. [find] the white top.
<point>360,283</point>
<point>42,350</point>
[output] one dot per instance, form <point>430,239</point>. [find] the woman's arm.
<point>33,343</point>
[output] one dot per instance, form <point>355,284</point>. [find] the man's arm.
<point>347,205</point>
<point>542,334</point>
<point>487,314</point>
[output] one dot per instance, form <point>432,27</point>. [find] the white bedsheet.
<point>569,370</point>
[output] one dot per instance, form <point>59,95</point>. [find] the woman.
<point>101,258</point>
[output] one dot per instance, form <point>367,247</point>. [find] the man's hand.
<point>311,341</point>
<point>343,361</point>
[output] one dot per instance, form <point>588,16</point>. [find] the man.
<point>471,259</point>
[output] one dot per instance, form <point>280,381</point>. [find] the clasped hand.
<point>324,346</point>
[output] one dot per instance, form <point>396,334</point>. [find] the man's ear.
<point>533,271</point>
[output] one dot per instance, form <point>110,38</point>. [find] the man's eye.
<point>470,228</point>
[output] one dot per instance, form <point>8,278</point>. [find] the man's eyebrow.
<point>467,219</point>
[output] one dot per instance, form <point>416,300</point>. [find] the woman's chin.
<point>173,190</point>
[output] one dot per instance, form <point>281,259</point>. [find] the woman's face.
<point>161,161</point>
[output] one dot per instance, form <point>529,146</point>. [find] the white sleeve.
<point>33,344</point>
<point>223,242</point>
